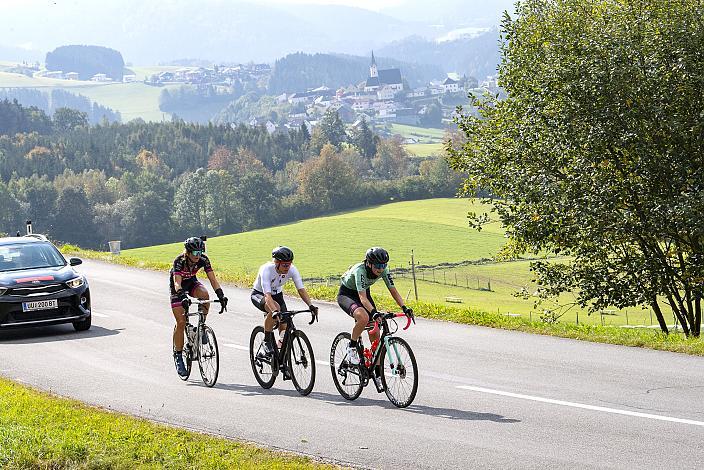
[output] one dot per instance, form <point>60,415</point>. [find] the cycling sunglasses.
<point>197,252</point>
<point>379,265</point>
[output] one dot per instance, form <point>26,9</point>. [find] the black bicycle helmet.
<point>282,253</point>
<point>194,244</point>
<point>377,255</point>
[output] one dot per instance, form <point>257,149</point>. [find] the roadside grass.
<point>425,150</point>
<point>40,430</point>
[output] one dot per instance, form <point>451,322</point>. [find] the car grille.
<point>24,317</point>
<point>36,291</point>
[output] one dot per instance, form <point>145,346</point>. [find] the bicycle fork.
<point>396,367</point>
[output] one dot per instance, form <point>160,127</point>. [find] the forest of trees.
<point>148,183</point>
<point>87,61</point>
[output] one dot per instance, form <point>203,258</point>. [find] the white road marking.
<point>322,363</point>
<point>582,405</point>
<point>99,315</point>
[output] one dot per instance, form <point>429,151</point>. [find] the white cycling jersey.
<point>269,281</point>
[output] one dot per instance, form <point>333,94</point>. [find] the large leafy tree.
<point>598,150</point>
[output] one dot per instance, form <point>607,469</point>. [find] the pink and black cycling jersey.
<point>187,271</point>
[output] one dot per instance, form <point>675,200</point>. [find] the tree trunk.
<point>696,327</point>
<point>658,314</point>
<point>677,309</point>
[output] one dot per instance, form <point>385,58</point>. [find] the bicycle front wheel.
<point>187,359</point>
<point>264,367</point>
<point>301,363</point>
<point>400,373</point>
<point>347,377</point>
<point>208,355</point>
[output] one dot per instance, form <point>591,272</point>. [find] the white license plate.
<point>40,305</point>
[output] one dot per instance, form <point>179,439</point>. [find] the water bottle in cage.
<point>191,331</point>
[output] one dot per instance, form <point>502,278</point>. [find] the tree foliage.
<point>598,150</point>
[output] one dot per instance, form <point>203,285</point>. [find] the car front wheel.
<point>82,325</point>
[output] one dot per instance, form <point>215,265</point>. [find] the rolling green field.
<point>132,100</point>
<point>435,229</point>
<point>426,135</point>
<point>425,150</point>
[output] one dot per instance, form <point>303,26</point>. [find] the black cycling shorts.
<point>258,299</point>
<point>188,285</point>
<point>349,300</point>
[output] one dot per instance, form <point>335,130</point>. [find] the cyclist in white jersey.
<point>267,292</point>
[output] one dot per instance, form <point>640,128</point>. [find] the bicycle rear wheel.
<point>301,362</point>
<point>265,367</point>
<point>347,377</point>
<point>208,356</point>
<point>400,373</point>
<point>187,360</point>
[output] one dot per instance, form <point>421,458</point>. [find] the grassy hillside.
<point>436,229</point>
<point>132,100</point>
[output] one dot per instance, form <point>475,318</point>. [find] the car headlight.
<point>75,282</point>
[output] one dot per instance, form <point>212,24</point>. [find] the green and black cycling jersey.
<point>359,278</point>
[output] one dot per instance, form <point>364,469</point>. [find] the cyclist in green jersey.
<point>355,299</point>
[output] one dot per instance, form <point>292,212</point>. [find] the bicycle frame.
<point>287,318</point>
<point>386,336</point>
<point>201,316</point>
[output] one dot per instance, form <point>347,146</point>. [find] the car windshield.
<point>28,256</point>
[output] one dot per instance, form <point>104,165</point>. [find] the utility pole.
<point>413,271</point>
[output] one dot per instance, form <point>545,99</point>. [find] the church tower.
<point>373,72</point>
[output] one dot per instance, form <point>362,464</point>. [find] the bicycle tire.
<point>208,356</point>
<point>400,384</point>
<point>265,371</point>
<point>342,371</point>
<point>301,362</point>
<point>187,360</point>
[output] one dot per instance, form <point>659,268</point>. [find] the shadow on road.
<point>46,334</point>
<point>337,400</point>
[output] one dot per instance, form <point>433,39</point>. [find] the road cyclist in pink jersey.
<point>182,283</point>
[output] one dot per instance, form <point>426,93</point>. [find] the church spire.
<point>373,72</point>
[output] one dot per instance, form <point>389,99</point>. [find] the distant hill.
<point>86,61</point>
<point>474,56</point>
<point>299,72</point>
<point>56,98</point>
<point>211,30</point>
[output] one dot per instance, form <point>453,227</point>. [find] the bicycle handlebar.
<point>223,308</point>
<point>314,316</point>
<point>390,315</point>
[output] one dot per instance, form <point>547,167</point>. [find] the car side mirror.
<point>75,261</point>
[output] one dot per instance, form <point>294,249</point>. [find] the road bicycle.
<point>201,344</point>
<point>293,358</point>
<point>389,362</point>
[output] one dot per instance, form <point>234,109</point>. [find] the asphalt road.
<point>487,398</point>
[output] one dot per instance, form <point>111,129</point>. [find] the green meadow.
<point>425,150</point>
<point>435,229</point>
<point>132,100</point>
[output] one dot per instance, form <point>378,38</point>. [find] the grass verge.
<point>644,338</point>
<point>38,430</point>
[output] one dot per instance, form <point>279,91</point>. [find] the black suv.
<point>38,287</point>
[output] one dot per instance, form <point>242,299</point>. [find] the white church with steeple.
<point>389,79</point>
